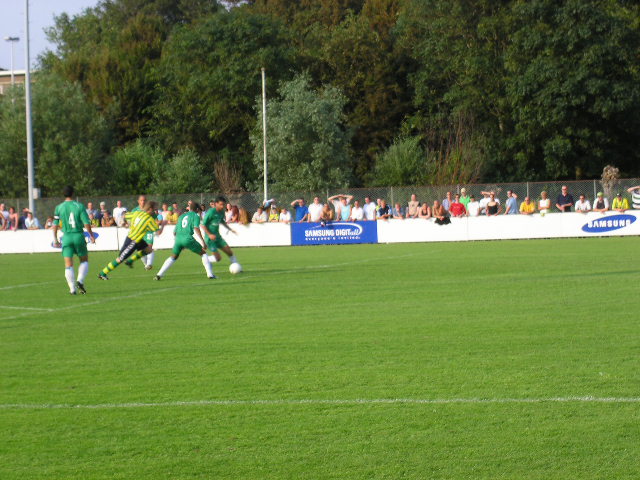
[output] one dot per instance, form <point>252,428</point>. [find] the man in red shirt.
<point>456,209</point>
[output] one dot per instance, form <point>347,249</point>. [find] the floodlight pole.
<point>27,96</point>
<point>264,132</point>
<point>12,41</point>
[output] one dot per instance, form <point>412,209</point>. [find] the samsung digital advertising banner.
<point>334,233</point>
<point>608,223</point>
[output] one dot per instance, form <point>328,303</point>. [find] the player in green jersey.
<point>188,224</point>
<point>70,217</point>
<point>147,260</point>
<point>140,223</point>
<point>211,226</point>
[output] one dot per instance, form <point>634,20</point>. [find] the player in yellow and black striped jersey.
<point>140,223</point>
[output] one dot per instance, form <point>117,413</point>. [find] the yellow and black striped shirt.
<point>139,224</point>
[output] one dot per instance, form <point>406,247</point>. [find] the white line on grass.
<point>24,285</point>
<point>334,402</point>
<point>24,308</point>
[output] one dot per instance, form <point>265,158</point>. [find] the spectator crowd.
<point>343,207</point>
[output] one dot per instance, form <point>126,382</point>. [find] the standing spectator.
<point>357,212</point>
<point>527,207</point>
<point>107,220</point>
<point>620,204</point>
<point>302,211</point>
<point>164,211</point>
<point>384,212</point>
<point>369,209</point>
<point>315,210</point>
<point>4,217</point>
<point>31,222</point>
<point>424,212</point>
<point>457,208</point>
<point>285,216</point>
<point>564,201</point>
<point>583,205</point>
<point>413,206</point>
<point>12,224</point>
<point>274,217</point>
<point>398,212</point>
<point>234,214</point>
<point>493,206</point>
<point>600,204</point>
<point>23,217</point>
<point>544,204</point>
<point>464,198</point>
<point>473,207</point>
<point>511,205</point>
<point>243,217</point>
<point>48,224</point>
<point>327,214</point>
<point>228,213</point>
<point>103,209</point>
<point>177,211</point>
<point>260,216</point>
<point>446,203</point>
<point>635,196</point>
<point>439,213</point>
<point>340,202</point>
<point>91,210</point>
<point>483,202</point>
<point>171,217</point>
<point>118,214</point>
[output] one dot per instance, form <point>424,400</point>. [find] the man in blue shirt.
<point>565,200</point>
<point>302,211</point>
<point>511,205</point>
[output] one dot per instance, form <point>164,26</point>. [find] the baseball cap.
<point>600,194</point>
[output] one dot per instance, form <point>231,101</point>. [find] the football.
<point>235,268</point>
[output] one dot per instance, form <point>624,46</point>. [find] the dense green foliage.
<point>493,90</point>
<point>263,376</point>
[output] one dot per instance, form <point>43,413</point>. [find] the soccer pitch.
<point>483,360</point>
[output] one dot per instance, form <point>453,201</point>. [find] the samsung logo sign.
<point>608,224</point>
<point>338,229</point>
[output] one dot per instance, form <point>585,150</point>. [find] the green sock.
<point>111,266</point>
<point>136,256</point>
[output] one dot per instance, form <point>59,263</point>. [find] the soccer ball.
<point>235,268</point>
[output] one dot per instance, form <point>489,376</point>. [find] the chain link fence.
<point>250,201</point>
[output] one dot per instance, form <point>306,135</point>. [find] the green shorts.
<point>186,242</point>
<point>74,244</point>
<point>148,237</point>
<point>218,243</point>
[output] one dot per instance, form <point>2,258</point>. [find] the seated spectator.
<point>457,208</point>
<point>285,216</point>
<point>424,212</point>
<point>31,222</point>
<point>357,212</point>
<point>13,219</point>
<point>473,207</point>
<point>527,207</point>
<point>93,221</point>
<point>583,205</point>
<point>384,212</point>
<point>118,214</point>
<point>48,224</point>
<point>447,201</point>
<point>440,214</point>
<point>600,204</point>
<point>369,209</point>
<point>228,212</point>
<point>260,216</point>
<point>620,204</point>
<point>274,216</point>
<point>302,211</point>
<point>493,205</point>
<point>243,217</point>
<point>107,220</point>
<point>327,214</point>
<point>413,206</point>
<point>398,212</point>
<point>544,204</point>
<point>511,205</point>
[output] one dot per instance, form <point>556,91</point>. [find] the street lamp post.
<point>12,40</point>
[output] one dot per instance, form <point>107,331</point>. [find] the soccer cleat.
<point>81,288</point>
<point>213,277</point>
<point>157,277</point>
<point>148,267</point>
<point>102,276</point>
<point>72,293</point>
<point>129,263</point>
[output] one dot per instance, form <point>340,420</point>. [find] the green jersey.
<point>72,216</point>
<point>213,219</point>
<point>187,223</point>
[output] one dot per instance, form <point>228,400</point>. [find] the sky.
<point>41,14</point>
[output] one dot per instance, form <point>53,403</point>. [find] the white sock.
<point>207,265</point>
<point>233,259</point>
<point>212,259</point>
<point>148,259</point>
<point>83,269</point>
<point>166,266</point>
<point>70,275</point>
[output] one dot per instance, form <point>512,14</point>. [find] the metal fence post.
<point>595,191</point>
<point>392,202</point>
<point>528,190</point>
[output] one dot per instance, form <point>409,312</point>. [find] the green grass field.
<point>510,360</point>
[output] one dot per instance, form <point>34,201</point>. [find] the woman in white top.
<point>544,204</point>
